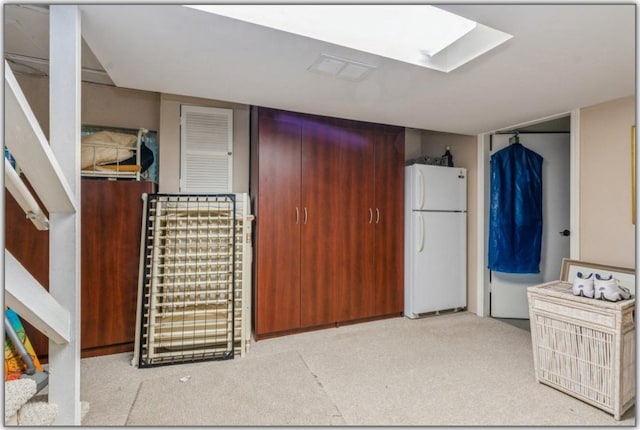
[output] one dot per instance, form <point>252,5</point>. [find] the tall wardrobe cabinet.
<point>328,199</point>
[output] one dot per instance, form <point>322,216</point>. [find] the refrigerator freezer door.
<point>438,268</point>
<point>437,188</point>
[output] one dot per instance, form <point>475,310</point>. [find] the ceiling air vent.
<point>341,67</point>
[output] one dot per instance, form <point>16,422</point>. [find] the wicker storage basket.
<point>584,347</point>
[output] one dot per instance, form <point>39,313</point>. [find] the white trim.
<point>64,228</point>
<point>483,163</point>
<point>574,223</point>
<point>25,295</point>
<point>482,307</point>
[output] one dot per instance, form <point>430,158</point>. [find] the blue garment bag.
<point>515,218</point>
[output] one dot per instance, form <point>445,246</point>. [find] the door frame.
<point>483,182</point>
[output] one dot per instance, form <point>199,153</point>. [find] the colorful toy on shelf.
<point>16,357</point>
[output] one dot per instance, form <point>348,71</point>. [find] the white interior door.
<point>509,290</point>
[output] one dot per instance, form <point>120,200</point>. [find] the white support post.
<point>64,236</point>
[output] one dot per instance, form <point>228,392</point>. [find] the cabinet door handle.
<point>297,215</point>
<point>377,215</point>
<point>305,215</point>
<point>370,216</point>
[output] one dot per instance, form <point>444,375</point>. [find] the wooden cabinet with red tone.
<point>277,301</point>
<point>111,220</point>
<point>326,194</point>
<point>323,226</point>
<point>110,243</point>
<point>30,247</point>
<point>389,226</point>
<point>354,242</point>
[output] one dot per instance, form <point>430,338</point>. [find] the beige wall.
<point>606,231</point>
<point>465,151</point>
<point>36,91</point>
<point>169,146</point>
<point>412,143</point>
<point>120,107</point>
<point>101,104</point>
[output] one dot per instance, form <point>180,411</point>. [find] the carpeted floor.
<point>455,369</point>
<point>285,393</point>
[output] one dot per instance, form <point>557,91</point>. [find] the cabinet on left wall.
<point>111,221</point>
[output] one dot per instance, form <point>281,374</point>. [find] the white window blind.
<point>206,147</point>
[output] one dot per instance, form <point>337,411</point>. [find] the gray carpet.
<point>454,369</point>
<point>279,389</point>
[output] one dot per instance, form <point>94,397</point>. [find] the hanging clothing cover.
<point>515,218</point>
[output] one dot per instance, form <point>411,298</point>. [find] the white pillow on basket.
<point>106,147</point>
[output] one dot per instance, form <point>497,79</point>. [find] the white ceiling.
<point>561,57</point>
<point>26,44</point>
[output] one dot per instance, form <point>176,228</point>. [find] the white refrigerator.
<point>435,239</point>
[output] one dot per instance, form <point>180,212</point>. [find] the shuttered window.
<point>206,149</point>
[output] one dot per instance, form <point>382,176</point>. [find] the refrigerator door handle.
<point>420,187</point>
<point>421,235</point>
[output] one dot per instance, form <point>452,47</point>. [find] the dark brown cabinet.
<point>278,303</point>
<point>355,242</point>
<point>326,194</point>
<point>31,248</point>
<point>110,243</point>
<point>389,233</point>
<point>111,219</point>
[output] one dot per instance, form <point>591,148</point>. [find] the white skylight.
<point>413,34</point>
